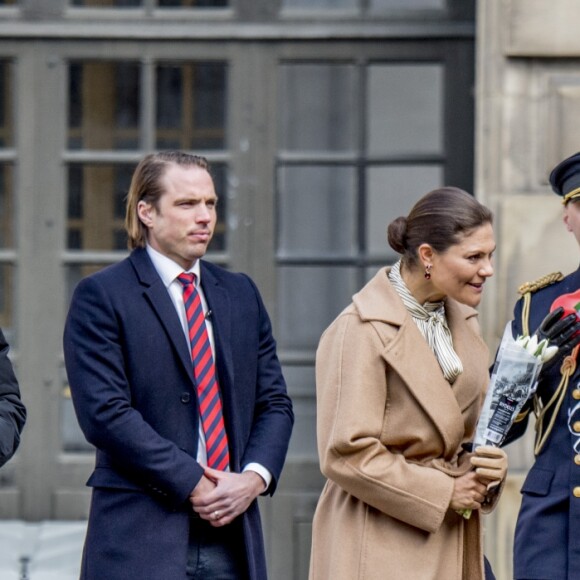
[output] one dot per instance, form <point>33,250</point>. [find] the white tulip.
<point>541,349</point>
<point>532,345</point>
<point>548,353</point>
<point>523,341</point>
<point>542,345</point>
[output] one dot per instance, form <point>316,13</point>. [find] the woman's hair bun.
<point>397,234</point>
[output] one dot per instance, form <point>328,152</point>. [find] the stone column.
<point>528,119</point>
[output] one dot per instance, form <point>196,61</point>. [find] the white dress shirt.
<point>168,271</point>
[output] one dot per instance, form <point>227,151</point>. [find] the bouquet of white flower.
<point>513,381</point>
<point>514,377</point>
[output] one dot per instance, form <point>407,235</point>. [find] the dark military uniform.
<point>547,540</point>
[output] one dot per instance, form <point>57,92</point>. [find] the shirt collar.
<point>168,270</point>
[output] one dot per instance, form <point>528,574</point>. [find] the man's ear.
<point>144,211</point>
<point>565,218</point>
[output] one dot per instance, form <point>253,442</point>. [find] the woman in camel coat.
<point>395,412</point>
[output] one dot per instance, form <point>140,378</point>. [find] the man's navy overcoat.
<point>130,374</point>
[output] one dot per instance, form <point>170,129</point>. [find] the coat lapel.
<point>412,359</point>
<point>468,345</point>
<point>218,302</point>
<point>157,295</point>
<point>409,355</point>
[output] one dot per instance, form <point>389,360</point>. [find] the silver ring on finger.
<point>216,515</point>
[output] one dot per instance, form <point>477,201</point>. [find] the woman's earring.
<point>428,271</point>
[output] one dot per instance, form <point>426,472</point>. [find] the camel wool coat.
<point>390,434</point>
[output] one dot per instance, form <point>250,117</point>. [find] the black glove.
<point>561,331</point>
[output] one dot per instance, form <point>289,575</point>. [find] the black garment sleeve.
<point>12,410</point>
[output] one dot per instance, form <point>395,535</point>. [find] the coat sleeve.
<point>352,402</point>
<point>12,410</point>
<point>102,397</point>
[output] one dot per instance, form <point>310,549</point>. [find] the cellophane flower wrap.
<point>514,380</point>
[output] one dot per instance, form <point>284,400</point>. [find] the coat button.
<point>185,398</point>
<point>576,426</point>
<point>577,459</point>
<point>576,394</point>
<point>576,492</point>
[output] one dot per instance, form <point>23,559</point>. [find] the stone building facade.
<point>528,119</point>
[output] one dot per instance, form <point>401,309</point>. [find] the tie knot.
<point>186,278</point>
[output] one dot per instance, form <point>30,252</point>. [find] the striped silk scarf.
<point>432,323</point>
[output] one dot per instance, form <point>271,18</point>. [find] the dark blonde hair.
<point>146,186</point>
<point>440,218</point>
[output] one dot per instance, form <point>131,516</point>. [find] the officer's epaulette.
<point>540,283</point>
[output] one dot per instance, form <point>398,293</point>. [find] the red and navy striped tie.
<point>210,405</point>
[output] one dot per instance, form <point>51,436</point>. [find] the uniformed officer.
<point>547,537</point>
